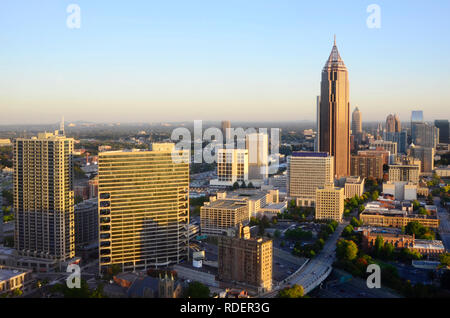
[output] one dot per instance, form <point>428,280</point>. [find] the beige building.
<point>246,261</point>
<point>12,278</point>
<point>393,123</point>
<point>143,207</point>
<point>220,215</point>
<point>354,186</point>
<point>44,197</point>
<point>404,172</point>
<point>232,166</point>
<point>396,218</point>
<point>334,113</point>
<point>308,171</point>
<point>386,145</point>
<point>330,203</point>
<point>257,145</point>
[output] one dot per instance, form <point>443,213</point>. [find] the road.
<point>444,226</point>
<point>316,270</point>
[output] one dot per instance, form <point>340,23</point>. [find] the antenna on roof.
<point>335,39</point>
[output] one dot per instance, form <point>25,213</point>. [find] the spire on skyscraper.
<point>334,59</point>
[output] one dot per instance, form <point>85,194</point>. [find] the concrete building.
<point>354,186</point>
<point>401,190</point>
<point>426,157</point>
<point>143,207</point>
<point>232,167</point>
<point>330,203</point>
<point>334,113</point>
<point>256,199</point>
<point>246,261</point>
<point>257,145</point>
<point>308,171</point>
<point>86,223</point>
<point>366,166</point>
<point>443,171</point>
<point>44,197</point>
<point>443,127</point>
<point>218,216</point>
<point>385,154</point>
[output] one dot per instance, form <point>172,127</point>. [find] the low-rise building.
<point>219,215</point>
<point>354,186</point>
<point>12,278</point>
<point>384,217</point>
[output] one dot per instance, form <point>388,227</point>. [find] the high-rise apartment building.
<point>44,197</point>
<point>86,223</point>
<point>356,121</point>
<point>306,172</point>
<point>257,145</point>
<point>232,166</point>
<point>246,260</point>
<point>365,166</point>
<point>334,113</point>
<point>143,207</point>
<point>443,127</point>
<point>330,203</point>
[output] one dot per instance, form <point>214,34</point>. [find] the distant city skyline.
<point>172,62</point>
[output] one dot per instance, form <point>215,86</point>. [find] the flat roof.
<point>309,154</point>
<point>6,273</point>
<point>226,204</point>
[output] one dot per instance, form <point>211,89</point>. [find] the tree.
<point>378,246</point>
<point>235,185</point>
<point>348,230</point>
<point>277,234</point>
<point>388,251</point>
<point>445,259</point>
<point>375,195</point>
<point>355,222</point>
<point>346,250</point>
<point>416,205</point>
<point>295,291</point>
<point>197,290</point>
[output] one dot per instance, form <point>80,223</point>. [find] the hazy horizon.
<point>147,61</point>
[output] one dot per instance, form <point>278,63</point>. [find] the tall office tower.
<point>44,197</point>
<point>400,138</point>
<point>368,165</point>
<point>232,166</point>
<point>417,116</point>
<point>424,134</point>
<point>308,171</point>
<point>356,121</point>
<point>443,127</point>
<point>393,124</point>
<point>334,114</point>
<point>257,145</point>
<point>426,157</point>
<point>226,126</point>
<point>247,260</point>
<point>317,139</point>
<point>143,207</point>
<point>330,203</point>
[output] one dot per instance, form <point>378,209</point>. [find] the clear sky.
<point>146,61</point>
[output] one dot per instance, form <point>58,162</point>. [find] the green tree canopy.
<point>295,291</point>
<point>197,290</point>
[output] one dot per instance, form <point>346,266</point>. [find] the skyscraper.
<point>424,134</point>
<point>334,116</point>
<point>308,171</point>
<point>143,207</point>
<point>44,197</point>
<point>226,126</point>
<point>356,121</point>
<point>443,130</point>
<point>257,145</point>
<point>393,124</point>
